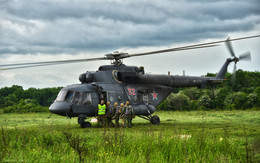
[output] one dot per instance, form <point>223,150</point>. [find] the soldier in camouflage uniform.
<point>128,114</point>
<point>117,111</point>
<point>109,112</point>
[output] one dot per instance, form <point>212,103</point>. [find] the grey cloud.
<point>55,27</point>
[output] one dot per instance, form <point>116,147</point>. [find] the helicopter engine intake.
<point>86,77</point>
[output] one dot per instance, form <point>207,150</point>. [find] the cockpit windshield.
<point>78,98</point>
<point>69,96</point>
<point>61,95</point>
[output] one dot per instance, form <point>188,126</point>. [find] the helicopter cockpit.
<point>78,98</point>
<point>69,102</point>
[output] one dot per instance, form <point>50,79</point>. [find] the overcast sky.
<point>43,30</point>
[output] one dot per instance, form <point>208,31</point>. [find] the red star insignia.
<point>154,94</point>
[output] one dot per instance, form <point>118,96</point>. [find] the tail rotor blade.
<point>245,56</point>
<point>233,78</point>
<point>230,48</point>
<point>235,68</point>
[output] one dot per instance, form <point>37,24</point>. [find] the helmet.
<point>115,104</point>
<point>127,103</point>
<point>108,103</point>
<point>122,104</point>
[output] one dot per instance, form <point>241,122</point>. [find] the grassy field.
<point>197,136</point>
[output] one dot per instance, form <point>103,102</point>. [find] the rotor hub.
<point>117,57</point>
<point>235,59</point>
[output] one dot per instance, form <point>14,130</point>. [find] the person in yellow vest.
<point>101,113</point>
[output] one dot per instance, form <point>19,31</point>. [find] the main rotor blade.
<point>229,47</point>
<point>194,46</point>
<point>51,62</point>
<point>171,50</point>
<point>245,56</point>
<point>47,63</point>
<point>21,67</point>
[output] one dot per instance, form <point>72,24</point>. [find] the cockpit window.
<point>69,96</point>
<point>61,95</point>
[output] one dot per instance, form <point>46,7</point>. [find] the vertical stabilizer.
<point>222,72</point>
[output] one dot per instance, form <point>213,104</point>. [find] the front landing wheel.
<point>155,120</point>
<point>85,125</point>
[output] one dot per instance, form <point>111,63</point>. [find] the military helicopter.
<point>120,83</point>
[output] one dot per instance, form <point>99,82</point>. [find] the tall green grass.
<point>225,136</point>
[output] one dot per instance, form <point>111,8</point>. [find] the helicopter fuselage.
<point>120,83</point>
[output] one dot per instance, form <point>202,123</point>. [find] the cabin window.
<point>61,96</point>
<point>86,98</point>
<point>77,98</point>
<point>69,96</point>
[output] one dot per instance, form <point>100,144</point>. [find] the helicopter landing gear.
<point>155,120</point>
<point>83,124</point>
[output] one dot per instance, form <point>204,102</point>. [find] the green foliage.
<point>163,105</point>
<point>220,96</point>
<point>16,99</point>
<point>12,95</point>
<point>205,101</point>
<point>236,100</point>
<point>193,93</point>
<point>252,100</point>
<point>257,91</point>
<point>25,106</point>
<point>178,102</point>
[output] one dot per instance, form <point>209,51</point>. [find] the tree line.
<point>243,93</point>
<point>16,99</point>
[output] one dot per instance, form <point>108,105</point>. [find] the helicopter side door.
<point>111,96</point>
<point>95,102</point>
<point>108,96</point>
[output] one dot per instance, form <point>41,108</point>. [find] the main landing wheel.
<point>155,120</point>
<point>85,125</point>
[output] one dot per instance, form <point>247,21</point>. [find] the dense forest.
<point>243,93</point>
<point>16,99</point>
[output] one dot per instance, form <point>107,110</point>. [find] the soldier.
<point>101,112</point>
<point>128,114</point>
<point>110,114</point>
<point>117,111</point>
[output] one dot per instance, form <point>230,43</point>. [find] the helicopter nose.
<point>60,108</point>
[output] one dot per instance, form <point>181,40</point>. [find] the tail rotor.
<point>243,57</point>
